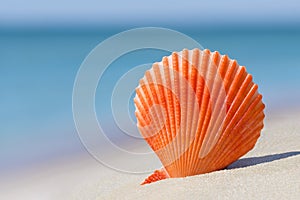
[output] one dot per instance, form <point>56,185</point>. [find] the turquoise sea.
<point>38,69</point>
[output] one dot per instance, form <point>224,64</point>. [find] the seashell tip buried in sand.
<point>199,111</point>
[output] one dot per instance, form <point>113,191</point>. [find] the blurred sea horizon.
<point>38,67</point>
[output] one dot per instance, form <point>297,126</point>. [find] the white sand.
<point>272,171</point>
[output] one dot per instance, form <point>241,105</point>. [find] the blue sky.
<point>72,12</point>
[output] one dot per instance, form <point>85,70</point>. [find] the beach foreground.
<point>269,171</point>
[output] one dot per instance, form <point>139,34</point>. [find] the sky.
<point>113,12</point>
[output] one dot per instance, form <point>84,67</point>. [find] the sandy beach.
<point>269,171</point>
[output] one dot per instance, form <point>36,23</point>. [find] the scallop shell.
<point>199,111</point>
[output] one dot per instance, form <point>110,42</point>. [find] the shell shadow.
<point>246,162</point>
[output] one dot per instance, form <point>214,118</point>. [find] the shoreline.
<point>270,170</point>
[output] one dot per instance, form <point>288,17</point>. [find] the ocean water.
<point>38,69</point>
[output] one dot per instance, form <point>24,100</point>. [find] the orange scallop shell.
<point>199,111</point>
